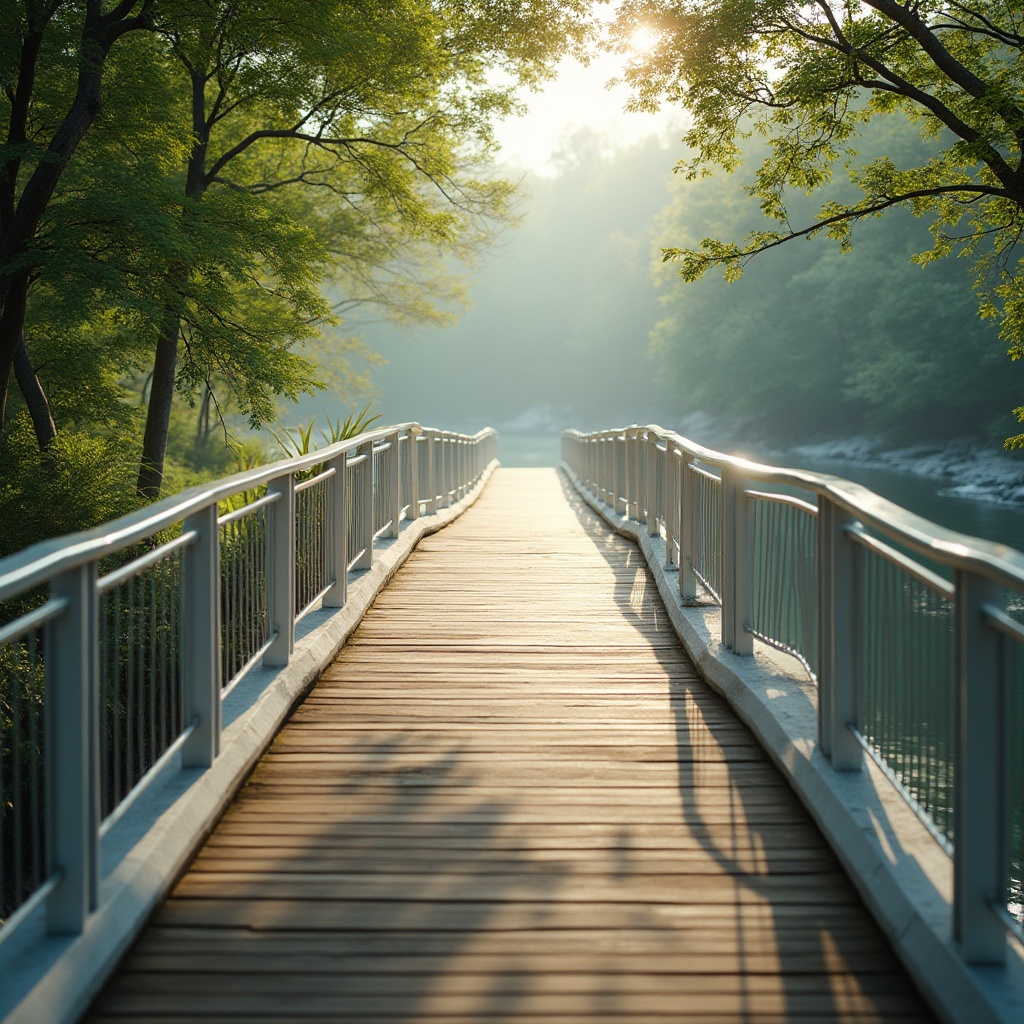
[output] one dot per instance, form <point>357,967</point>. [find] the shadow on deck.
<point>512,798</point>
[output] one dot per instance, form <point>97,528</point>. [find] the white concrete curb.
<point>903,875</point>
<point>53,979</point>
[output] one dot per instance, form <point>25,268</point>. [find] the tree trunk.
<point>35,397</point>
<point>158,415</point>
<point>12,334</point>
<point>165,364</point>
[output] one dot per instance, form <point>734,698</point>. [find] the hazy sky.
<point>577,98</point>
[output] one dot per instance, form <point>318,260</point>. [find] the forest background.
<point>270,194</point>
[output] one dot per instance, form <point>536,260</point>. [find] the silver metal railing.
<point>913,633</point>
<point>118,645</point>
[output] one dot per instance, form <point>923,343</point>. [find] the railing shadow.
<point>348,904</point>
<point>793,911</point>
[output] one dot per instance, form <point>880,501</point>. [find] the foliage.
<point>193,191</point>
<point>299,440</point>
<point>808,78</point>
<point>82,480</point>
<point>815,343</point>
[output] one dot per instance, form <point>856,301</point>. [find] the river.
<point>920,494</point>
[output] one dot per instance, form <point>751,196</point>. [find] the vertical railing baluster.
<point>200,620</point>
<point>736,562</point>
<point>281,570</point>
<point>611,474</point>
<point>670,501</point>
<point>432,456</point>
<point>394,486</point>
<point>838,585</point>
<point>629,471</point>
<point>687,530</point>
<point>980,842</point>
<point>337,539</point>
<point>363,500</point>
<point>72,769</point>
<point>414,472</point>
<point>653,528</point>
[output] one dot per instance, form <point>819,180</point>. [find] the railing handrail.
<point>999,562</point>
<point>824,584</point>
<point>36,564</point>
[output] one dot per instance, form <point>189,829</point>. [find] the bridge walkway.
<point>511,798</point>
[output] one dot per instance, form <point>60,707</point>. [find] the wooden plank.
<point>512,799</point>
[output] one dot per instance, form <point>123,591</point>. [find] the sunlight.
<point>643,40</point>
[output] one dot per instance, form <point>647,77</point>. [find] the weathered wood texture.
<point>512,799</point>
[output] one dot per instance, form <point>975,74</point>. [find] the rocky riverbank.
<point>972,471</point>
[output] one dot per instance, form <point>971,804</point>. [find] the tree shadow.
<point>418,846</point>
<point>788,906</point>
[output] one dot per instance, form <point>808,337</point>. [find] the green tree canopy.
<point>808,77</point>
<point>192,190</point>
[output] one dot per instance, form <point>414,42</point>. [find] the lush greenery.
<point>809,78</point>
<point>193,191</point>
<point>814,343</point>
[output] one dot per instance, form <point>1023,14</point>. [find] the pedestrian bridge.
<point>664,735</point>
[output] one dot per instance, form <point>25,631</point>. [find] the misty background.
<point>575,321</point>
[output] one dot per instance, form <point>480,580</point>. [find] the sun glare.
<point>643,40</point>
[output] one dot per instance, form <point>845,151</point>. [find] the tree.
<point>808,77</point>
<point>355,126</point>
<point>58,49</point>
<point>819,344</point>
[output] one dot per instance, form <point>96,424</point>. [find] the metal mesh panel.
<point>243,591</point>
<point>784,577</point>
<point>357,473</point>
<point>312,505</point>
<point>382,457</point>
<point>140,676</point>
<point>905,697</point>
<point>22,770</point>
<point>707,529</point>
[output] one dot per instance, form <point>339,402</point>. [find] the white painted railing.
<point>913,633</point>
<point>119,644</point>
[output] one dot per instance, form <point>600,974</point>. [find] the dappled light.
<point>512,798</point>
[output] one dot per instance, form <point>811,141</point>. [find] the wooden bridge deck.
<point>511,798</point>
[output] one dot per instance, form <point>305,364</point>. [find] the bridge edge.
<point>55,978</point>
<point>911,902</point>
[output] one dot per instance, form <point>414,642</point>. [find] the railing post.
<point>736,563</point>
<point>444,495</point>
<point>687,531</point>
<point>200,627</point>
<point>837,630</point>
<point>432,443</point>
<point>72,756</point>
<point>395,485</point>
<point>337,543</point>
<point>980,813</point>
<point>617,473</point>
<point>414,472</point>
<point>670,501</point>
<point>281,566</point>
<point>653,526</point>
<point>629,467</point>
<point>363,500</point>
